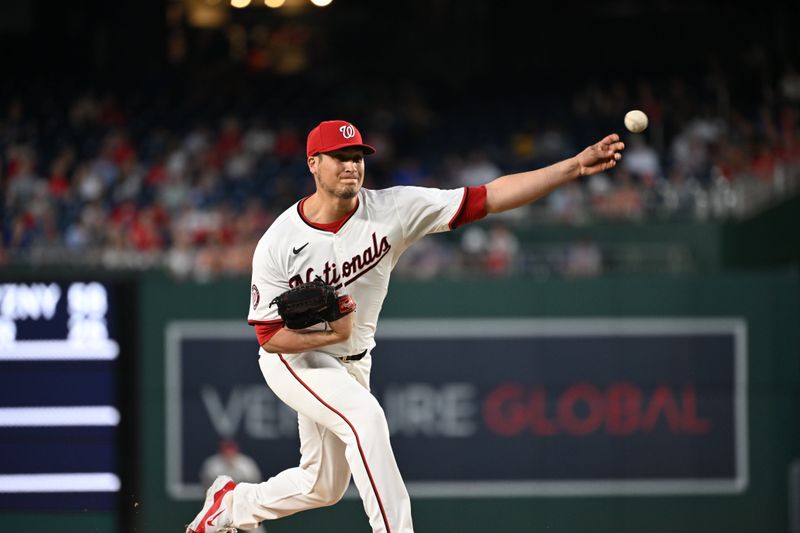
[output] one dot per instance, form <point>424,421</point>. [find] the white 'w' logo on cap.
<point>348,131</point>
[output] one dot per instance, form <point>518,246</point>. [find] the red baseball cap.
<point>334,134</point>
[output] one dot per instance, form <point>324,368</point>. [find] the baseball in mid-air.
<point>635,121</point>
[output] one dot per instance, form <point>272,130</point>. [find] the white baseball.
<point>635,121</point>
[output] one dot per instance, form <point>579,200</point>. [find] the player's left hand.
<point>600,156</point>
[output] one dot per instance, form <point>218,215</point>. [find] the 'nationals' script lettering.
<point>349,271</point>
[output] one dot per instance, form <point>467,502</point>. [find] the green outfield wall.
<point>766,240</point>
<point>767,302</point>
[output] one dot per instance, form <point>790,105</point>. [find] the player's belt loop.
<point>356,357</point>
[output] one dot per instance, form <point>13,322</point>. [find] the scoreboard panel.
<point>60,413</point>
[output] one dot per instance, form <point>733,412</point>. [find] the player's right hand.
<point>600,156</point>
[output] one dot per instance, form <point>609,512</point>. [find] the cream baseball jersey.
<point>357,259</point>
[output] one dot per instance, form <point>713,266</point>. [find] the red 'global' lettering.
<point>504,410</point>
<point>582,409</point>
<point>624,405</point>
<point>566,409</point>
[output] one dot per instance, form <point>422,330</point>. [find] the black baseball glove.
<point>311,303</point>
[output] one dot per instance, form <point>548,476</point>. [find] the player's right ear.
<point>313,163</point>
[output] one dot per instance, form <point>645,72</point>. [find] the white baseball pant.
<point>343,430</point>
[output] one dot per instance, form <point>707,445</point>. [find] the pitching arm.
<point>515,190</point>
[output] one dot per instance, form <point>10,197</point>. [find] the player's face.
<point>340,172</point>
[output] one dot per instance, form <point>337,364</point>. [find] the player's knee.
<point>325,488</point>
<point>366,425</point>
<point>330,495</point>
<point>373,420</point>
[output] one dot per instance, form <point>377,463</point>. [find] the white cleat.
<point>214,517</point>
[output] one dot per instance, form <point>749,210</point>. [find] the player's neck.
<point>327,209</point>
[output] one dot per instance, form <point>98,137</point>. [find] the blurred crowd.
<point>98,179</point>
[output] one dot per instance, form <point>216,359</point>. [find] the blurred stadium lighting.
<point>240,3</point>
<point>274,3</point>
<point>321,3</point>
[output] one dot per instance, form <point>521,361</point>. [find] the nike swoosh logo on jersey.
<point>210,521</point>
<point>298,250</point>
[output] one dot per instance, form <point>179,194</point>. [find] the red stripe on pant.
<point>358,440</point>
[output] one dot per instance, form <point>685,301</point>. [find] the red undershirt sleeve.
<point>474,207</point>
<point>264,332</point>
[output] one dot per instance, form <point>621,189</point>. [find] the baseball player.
<point>350,238</point>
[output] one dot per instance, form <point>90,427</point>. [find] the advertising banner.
<point>497,407</point>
